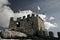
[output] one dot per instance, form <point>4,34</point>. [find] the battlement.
<point>28,16</point>
<point>51,34</point>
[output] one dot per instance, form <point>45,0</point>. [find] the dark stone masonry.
<point>31,27</point>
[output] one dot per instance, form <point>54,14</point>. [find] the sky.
<point>48,10</point>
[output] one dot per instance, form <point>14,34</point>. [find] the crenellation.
<point>33,15</point>
<point>58,33</point>
<point>24,17</point>
<point>28,15</point>
<point>51,34</point>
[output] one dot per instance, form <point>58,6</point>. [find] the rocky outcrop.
<point>12,34</point>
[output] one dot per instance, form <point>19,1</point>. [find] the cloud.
<point>5,13</point>
<point>49,25</point>
<point>51,18</point>
<point>3,2</point>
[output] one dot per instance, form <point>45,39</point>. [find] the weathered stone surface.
<point>30,25</point>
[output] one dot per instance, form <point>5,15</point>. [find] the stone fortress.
<point>31,27</point>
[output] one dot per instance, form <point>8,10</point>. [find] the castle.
<point>30,25</point>
<point>33,27</point>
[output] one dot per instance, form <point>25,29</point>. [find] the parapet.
<point>24,17</point>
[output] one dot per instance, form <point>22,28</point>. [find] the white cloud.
<point>5,13</point>
<point>3,2</point>
<point>50,25</point>
<point>51,18</point>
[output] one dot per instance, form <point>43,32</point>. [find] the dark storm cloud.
<point>24,5</point>
<point>49,7</point>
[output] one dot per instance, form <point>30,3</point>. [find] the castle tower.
<point>30,25</point>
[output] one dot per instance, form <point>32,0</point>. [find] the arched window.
<point>18,24</point>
